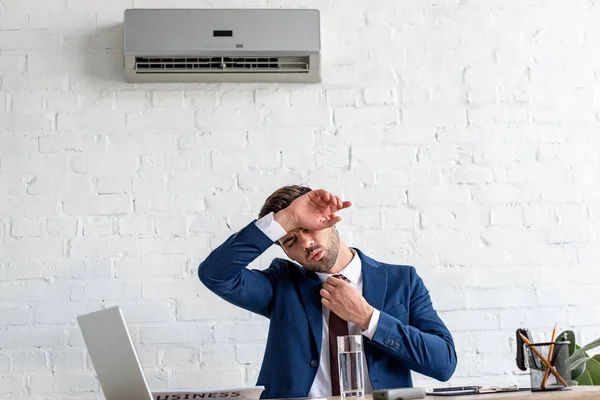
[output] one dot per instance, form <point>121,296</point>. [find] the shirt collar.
<point>351,271</point>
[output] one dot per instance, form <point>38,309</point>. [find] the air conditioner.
<point>222,45</point>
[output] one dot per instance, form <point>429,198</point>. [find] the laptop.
<point>113,355</point>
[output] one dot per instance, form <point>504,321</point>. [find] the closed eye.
<point>289,242</point>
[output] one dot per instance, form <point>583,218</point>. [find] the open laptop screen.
<point>113,355</point>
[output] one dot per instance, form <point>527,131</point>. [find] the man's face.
<point>314,250</point>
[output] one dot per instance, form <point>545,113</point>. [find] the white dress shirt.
<point>321,386</point>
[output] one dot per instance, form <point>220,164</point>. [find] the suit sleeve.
<point>425,345</point>
<point>224,271</point>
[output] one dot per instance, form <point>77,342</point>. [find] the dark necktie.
<point>337,327</point>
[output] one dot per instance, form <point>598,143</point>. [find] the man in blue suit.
<point>330,289</point>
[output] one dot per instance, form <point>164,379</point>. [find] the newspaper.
<point>248,393</point>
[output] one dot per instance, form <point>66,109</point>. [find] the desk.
<point>575,393</point>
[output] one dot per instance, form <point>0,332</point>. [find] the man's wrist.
<point>284,219</point>
<point>364,324</point>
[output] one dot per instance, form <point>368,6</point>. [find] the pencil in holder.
<point>556,354</point>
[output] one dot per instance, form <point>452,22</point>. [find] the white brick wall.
<point>466,134</point>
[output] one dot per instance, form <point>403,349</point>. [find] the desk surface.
<point>575,393</point>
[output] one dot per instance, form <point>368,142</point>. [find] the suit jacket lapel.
<point>374,281</point>
<point>374,288</point>
<point>311,300</point>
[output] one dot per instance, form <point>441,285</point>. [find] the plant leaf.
<point>584,379</point>
<point>585,348</point>
<point>579,370</point>
<point>577,364</point>
<point>593,368</point>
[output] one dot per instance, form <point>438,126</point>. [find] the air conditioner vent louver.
<point>166,65</point>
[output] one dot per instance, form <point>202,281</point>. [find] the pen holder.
<point>557,358</point>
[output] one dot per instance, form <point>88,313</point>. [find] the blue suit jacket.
<point>410,335</point>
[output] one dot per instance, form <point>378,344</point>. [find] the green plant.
<point>585,369</point>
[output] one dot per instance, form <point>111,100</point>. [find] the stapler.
<point>521,364</point>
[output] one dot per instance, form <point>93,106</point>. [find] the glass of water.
<point>350,364</point>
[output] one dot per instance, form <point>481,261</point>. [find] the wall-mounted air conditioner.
<point>222,45</point>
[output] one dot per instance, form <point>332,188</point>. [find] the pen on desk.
<point>457,388</point>
<point>550,351</point>
<point>550,367</point>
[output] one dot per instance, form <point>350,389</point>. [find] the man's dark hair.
<point>282,198</point>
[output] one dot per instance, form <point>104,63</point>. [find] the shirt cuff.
<point>270,227</point>
<point>370,332</point>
